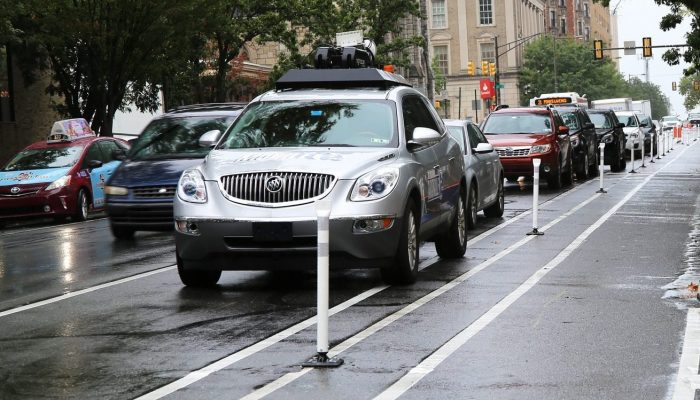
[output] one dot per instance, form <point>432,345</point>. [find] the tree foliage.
<point>640,90</point>
<point>686,88</point>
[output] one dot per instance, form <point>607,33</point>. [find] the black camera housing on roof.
<point>343,57</point>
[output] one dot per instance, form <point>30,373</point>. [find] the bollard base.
<point>535,232</point>
<point>633,172</point>
<point>321,360</point>
<point>601,190</point>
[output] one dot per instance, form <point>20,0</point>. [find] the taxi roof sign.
<point>69,129</point>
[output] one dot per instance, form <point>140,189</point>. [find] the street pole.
<point>476,108</point>
<point>497,78</point>
<point>459,104</point>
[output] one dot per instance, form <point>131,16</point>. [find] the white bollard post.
<point>663,143</point>
<point>641,144</point>
<point>535,194</point>
<point>601,167</point>
<point>632,171</point>
<point>321,359</point>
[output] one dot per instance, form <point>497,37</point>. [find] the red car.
<point>521,134</point>
<point>60,177</point>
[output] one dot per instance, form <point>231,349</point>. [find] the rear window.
<point>627,120</point>
<point>526,123</point>
<point>601,121</point>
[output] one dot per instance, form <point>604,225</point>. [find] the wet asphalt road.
<point>586,311</point>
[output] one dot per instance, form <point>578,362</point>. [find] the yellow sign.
<point>553,100</point>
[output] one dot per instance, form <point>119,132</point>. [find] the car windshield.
<point>518,123</point>
<point>669,119</point>
<point>345,123</point>
<point>50,157</point>
<point>600,121</point>
<point>627,120</point>
<point>176,137</point>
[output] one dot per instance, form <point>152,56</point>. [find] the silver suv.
<point>361,138</point>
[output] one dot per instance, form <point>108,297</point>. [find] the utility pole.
<point>646,68</point>
<point>497,77</point>
<point>426,53</point>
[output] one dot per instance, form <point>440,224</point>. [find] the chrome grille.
<point>276,188</point>
<point>513,151</point>
<point>154,192</point>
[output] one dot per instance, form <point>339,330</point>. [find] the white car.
<point>633,130</point>
<point>483,168</point>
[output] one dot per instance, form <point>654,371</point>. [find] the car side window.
<point>474,138</point>
<point>109,150</point>
<point>93,153</point>
<point>479,134</point>
<point>571,121</point>
<point>416,115</point>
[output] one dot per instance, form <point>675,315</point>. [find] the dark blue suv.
<point>139,195</point>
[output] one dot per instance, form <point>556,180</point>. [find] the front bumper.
<point>522,166</point>
<point>59,202</point>
<point>156,216</point>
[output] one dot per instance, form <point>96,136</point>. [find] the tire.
<point>616,164</point>
<point>568,178</point>
<point>453,243</point>
<point>197,278</point>
<point>471,208</point>
<point>554,180</point>
<point>122,232</point>
<point>81,206</point>
<point>405,267</point>
<point>582,170</point>
<point>496,209</point>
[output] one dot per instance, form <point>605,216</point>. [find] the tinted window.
<point>504,123</point>
<point>474,138</point>
<point>363,123</point>
<point>628,120</point>
<point>176,137</point>
<point>109,150</point>
<point>93,153</point>
<point>479,134</point>
<point>601,121</point>
<point>54,157</point>
<point>457,132</point>
<point>416,115</point>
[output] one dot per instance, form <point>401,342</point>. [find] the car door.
<point>110,152</point>
<point>588,132</point>
<point>488,164</point>
<point>98,175</point>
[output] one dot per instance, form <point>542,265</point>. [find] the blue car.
<point>139,195</point>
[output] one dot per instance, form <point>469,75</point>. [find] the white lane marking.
<point>376,327</point>
<point>83,291</point>
<point>434,360</point>
<point>688,379</point>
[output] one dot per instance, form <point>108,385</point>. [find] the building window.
<point>7,112</point>
<point>440,57</point>
<point>486,12</point>
<point>562,3</point>
<point>579,28</point>
<point>578,5</point>
<point>587,34</point>
<point>439,20</point>
<point>552,19</point>
<point>563,26</point>
<point>488,52</point>
<point>585,10</point>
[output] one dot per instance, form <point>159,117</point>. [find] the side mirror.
<point>563,130</point>
<point>209,138</point>
<point>423,137</point>
<point>620,125</point>
<point>92,164</point>
<point>588,125</point>
<point>482,148</point>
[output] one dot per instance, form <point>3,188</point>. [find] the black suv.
<point>609,131</point>
<point>649,130</point>
<point>583,140</point>
<point>139,195</point>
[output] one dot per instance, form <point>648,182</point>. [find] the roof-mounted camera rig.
<point>359,55</point>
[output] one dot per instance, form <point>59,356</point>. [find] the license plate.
<point>272,231</point>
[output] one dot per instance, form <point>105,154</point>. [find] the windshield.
<point>518,123</point>
<point>51,157</point>
<point>627,120</point>
<point>176,137</point>
<point>600,121</point>
<point>669,119</point>
<point>347,123</point>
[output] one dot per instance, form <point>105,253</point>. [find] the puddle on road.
<point>684,289</point>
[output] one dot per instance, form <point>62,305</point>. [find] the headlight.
<point>191,187</point>
<point>59,183</point>
<point>116,191</point>
<point>539,149</point>
<point>575,140</point>
<point>375,185</point>
<point>607,138</point>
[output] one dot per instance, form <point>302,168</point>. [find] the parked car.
<point>609,130</point>
<point>669,122</point>
<point>140,193</point>
<point>62,176</point>
<point>362,140</point>
<point>483,169</point>
<point>649,130</point>
<point>521,134</point>
<point>634,136</point>
<point>584,141</point>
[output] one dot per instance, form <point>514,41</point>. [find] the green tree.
<point>687,89</point>
<point>640,90</point>
<point>440,79</point>
<point>576,70</point>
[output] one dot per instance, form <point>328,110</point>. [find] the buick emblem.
<point>274,184</point>
<point>14,190</point>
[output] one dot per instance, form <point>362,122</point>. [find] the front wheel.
<point>554,179</point>
<point>81,206</point>
<point>405,267</point>
<point>496,209</point>
<point>616,164</point>
<point>471,208</point>
<point>568,178</point>
<point>196,278</point>
<point>453,243</point>
<point>582,172</point>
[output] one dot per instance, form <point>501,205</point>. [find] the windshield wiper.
<point>331,145</point>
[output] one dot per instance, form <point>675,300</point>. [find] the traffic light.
<point>437,104</point>
<point>673,86</point>
<point>484,68</point>
<point>470,68</point>
<point>492,69</point>
<point>646,47</point>
<point>598,49</point>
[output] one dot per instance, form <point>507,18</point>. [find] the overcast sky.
<point>638,19</point>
